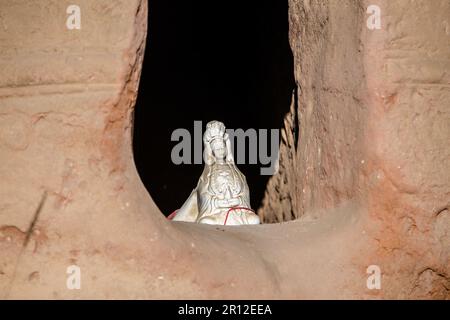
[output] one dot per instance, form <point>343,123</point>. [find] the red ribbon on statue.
<point>235,208</point>
<point>173,214</point>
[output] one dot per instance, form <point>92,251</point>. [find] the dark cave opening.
<point>228,61</point>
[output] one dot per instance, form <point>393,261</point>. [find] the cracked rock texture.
<point>364,162</point>
<point>373,112</point>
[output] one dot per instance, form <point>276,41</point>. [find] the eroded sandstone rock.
<point>372,108</point>
<point>367,172</point>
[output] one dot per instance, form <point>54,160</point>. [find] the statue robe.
<point>218,184</point>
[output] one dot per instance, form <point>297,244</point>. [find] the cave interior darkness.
<point>209,60</point>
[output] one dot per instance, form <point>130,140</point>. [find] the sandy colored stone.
<point>368,177</point>
<point>374,126</point>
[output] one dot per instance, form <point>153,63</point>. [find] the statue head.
<point>218,148</point>
<point>217,143</point>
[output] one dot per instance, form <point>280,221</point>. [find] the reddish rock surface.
<point>373,114</point>
<point>368,177</point>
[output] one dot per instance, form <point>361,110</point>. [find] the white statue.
<point>222,195</point>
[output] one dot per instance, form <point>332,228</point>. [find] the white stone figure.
<point>222,195</point>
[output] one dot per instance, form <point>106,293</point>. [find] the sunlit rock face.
<point>364,162</point>
<point>67,90</point>
<point>372,114</point>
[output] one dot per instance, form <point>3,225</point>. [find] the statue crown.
<point>214,130</point>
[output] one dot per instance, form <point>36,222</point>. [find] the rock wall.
<point>323,138</point>
<point>66,103</point>
<point>364,163</point>
<point>372,108</point>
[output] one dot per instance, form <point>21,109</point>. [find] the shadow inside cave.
<point>227,61</point>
